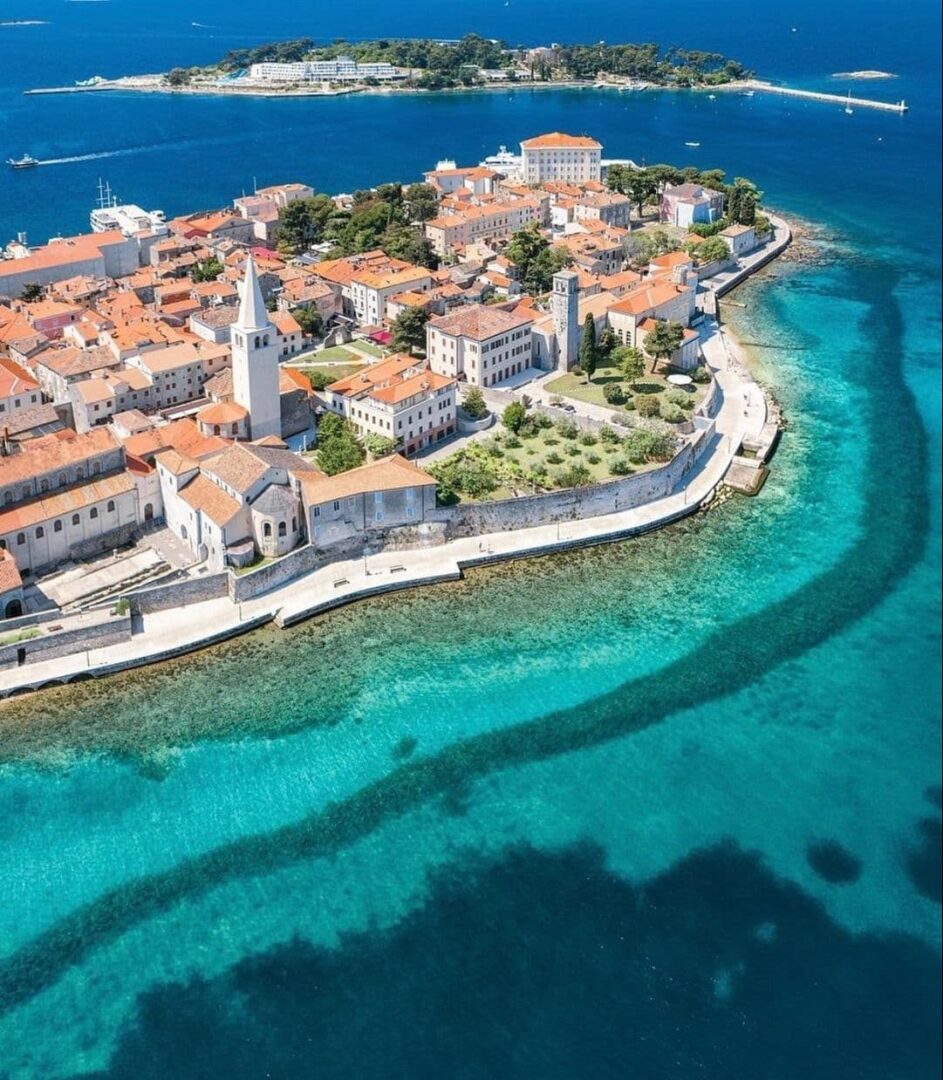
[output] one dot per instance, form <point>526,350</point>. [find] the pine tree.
<point>747,208</point>
<point>733,205</point>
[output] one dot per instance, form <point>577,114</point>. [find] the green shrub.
<point>648,406</point>
<point>613,393</point>
<point>588,439</point>
<point>574,476</point>
<point>543,421</point>
<point>641,446</point>
<point>673,414</point>
<point>567,429</point>
<point>593,459</point>
<point>512,442</point>
<point>607,435</point>
<point>572,451</point>
<point>576,370</point>
<point>681,399</point>
<point>701,375</point>
<point>473,404</point>
<point>619,467</point>
<point>553,458</point>
<point>514,416</point>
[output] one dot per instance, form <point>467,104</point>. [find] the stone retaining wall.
<point>116,538</point>
<point>114,631</point>
<point>300,561</point>
<point>468,519</point>
<point>178,593</point>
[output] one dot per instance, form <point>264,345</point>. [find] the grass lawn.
<point>336,354</point>
<point>329,373</point>
<point>370,347</point>
<point>257,565</point>
<point>581,389</point>
<point>20,635</point>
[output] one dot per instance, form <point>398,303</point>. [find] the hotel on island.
<point>138,401</point>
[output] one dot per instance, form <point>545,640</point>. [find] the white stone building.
<point>575,158</point>
<point>399,398</point>
<point>478,344</point>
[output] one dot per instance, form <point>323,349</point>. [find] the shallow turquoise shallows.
<point>664,809</point>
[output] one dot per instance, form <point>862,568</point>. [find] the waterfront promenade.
<point>742,415</point>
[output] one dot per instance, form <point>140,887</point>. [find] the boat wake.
<point>93,157</point>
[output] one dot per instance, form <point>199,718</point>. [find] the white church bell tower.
<point>255,374</point>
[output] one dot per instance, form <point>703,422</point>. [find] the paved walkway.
<point>164,634</point>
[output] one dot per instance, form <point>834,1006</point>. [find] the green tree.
<point>379,445</point>
<point>177,76</point>
<point>539,276</point>
<point>310,320</point>
<point>733,204</point>
<point>607,343</point>
<point>588,354</point>
<point>303,222</point>
<point>630,361</point>
<point>514,416</point>
<point>207,270</point>
<point>31,292</point>
<point>409,329</point>
<point>338,449</point>
<point>762,225</point>
<point>421,202</point>
<point>331,426</point>
<point>747,208</point>
<point>340,454</point>
<point>712,250</point>
<point>664,340</point>
<point>473,404</point>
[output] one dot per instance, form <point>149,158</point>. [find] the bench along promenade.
<point>147,629</point>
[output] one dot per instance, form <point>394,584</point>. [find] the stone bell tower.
<point>565,305</point>
<point>255,374</point>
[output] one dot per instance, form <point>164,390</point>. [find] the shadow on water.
<point>549,966</point>
<point>924,862</point>
<point>893,533</point>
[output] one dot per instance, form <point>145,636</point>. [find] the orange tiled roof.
<point>557,138</point>
<point>65,501</point>
<point>388,474</point>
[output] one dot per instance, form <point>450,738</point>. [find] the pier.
<point>817,95</point>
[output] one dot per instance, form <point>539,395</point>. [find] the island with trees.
<point>472,61</point>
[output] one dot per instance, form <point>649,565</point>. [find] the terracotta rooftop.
<point>66,501</point>
<point>14,380</point>
<point>557,139</point>
<point>479,322</point>
<point>388,474</point>
<point>203,495</point>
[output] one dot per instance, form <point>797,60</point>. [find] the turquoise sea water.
<point>662,809</point>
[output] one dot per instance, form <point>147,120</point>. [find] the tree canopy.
<point>409,329</point>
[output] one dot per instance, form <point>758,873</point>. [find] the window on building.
<point>21,539</point>
<point>93,513</point>
<point>111,506</point>
<point>57,527</point>
<point>282,528</point>
<point>76,519</point>
<point>267,529</point>
<point>40,532</point>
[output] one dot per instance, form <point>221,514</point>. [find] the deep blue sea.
<point>660,810</point>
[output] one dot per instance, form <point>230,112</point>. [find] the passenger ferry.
<point>27,161</point>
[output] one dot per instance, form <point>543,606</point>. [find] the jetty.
<point>817,95</point>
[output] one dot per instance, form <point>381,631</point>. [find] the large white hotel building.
<point>341,69</point>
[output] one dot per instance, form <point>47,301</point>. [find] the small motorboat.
<point>692,144</point>
<point>27,161</point>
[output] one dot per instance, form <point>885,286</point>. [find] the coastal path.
<point>165,634</point>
